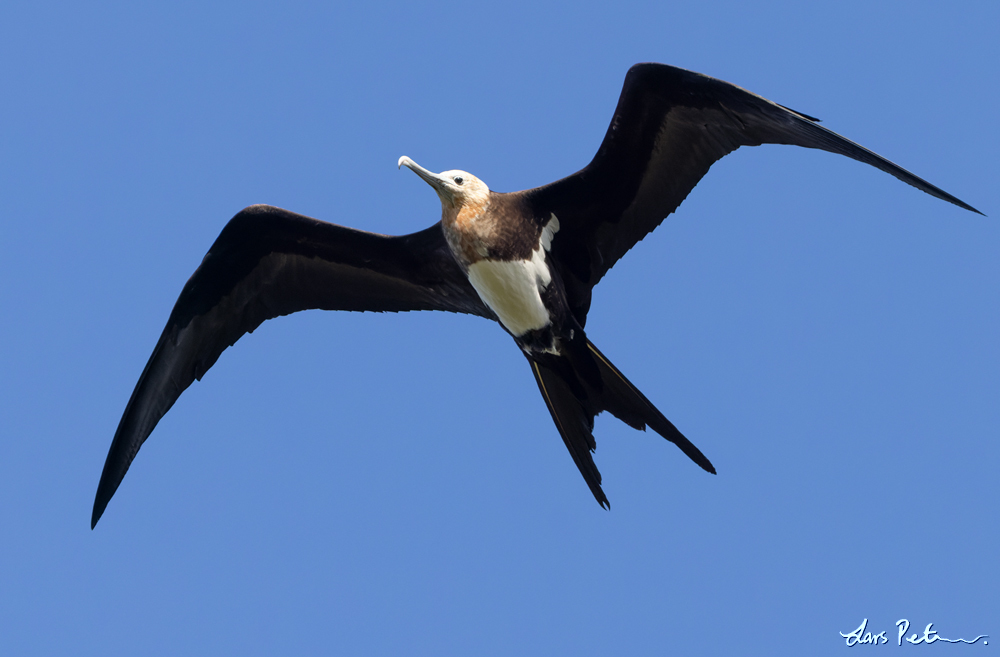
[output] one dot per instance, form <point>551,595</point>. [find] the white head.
<point>455,188</point>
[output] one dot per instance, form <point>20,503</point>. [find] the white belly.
<point>513,290</point>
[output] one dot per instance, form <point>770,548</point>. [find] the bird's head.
<point>456,189</point>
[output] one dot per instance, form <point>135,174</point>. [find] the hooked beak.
<point>429,177</point>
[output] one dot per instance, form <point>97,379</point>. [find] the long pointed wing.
<point>670,126</point>
<point>269,262</point>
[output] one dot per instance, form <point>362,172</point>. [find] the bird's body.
<point>503,251</point>
<point>528,259</point>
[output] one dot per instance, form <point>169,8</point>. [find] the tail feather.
<point>625,402</point>
<point>574,396</point>
<point>575,424</point>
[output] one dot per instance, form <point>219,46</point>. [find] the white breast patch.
<point>513,289</point>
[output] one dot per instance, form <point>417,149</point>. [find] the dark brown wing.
<point>670,126</point>
<point>269,262</point>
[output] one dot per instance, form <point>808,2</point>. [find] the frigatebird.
<point>528,260</point>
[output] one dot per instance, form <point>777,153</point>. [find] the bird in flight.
<point>528,260</point>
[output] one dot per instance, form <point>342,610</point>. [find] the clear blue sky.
<point>393,485</point>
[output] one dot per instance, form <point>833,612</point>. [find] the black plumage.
<point>669,127</point>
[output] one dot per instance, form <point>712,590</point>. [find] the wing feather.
<point>269,262</point>
<point>669,127</point>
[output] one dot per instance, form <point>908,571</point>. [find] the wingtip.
<point>960,203</point>
<point>101,500</point>
<point>95,516</point>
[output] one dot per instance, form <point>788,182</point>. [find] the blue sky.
<point>393,484</point>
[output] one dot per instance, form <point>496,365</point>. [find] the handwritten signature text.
<point>930,635</point>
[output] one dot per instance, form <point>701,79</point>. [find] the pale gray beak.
<point>429,177</point>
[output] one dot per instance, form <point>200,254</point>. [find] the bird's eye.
<point>459,180</point>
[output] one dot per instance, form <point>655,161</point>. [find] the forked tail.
<point>574,398</point>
